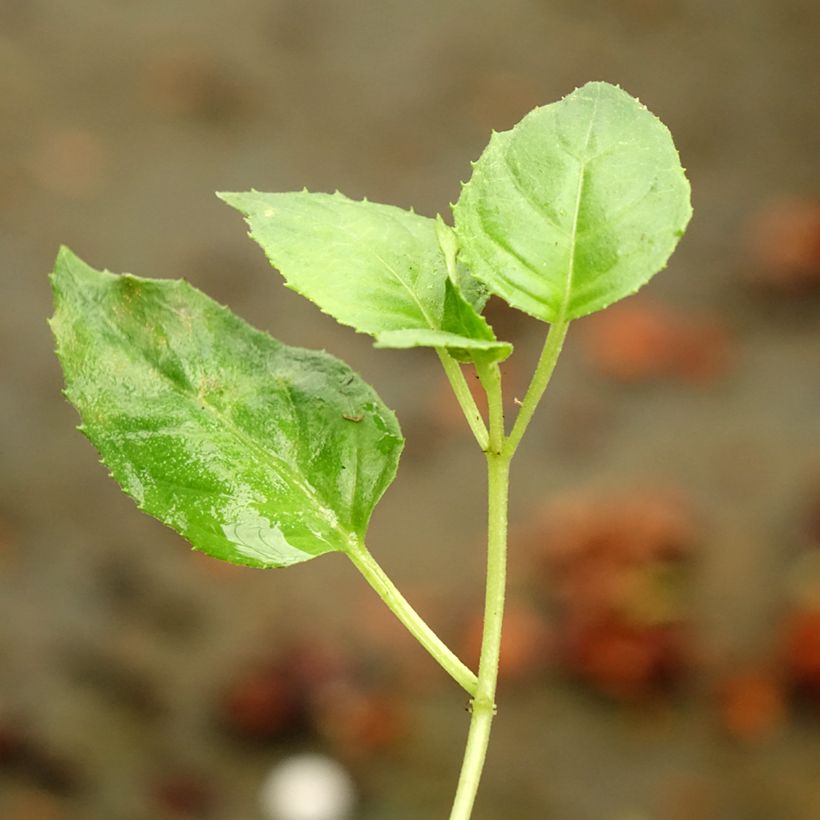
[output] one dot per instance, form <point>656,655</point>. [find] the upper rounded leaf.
<point>576,207</point>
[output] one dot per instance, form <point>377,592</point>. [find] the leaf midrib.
<point>570,275</point>
<point>407,287</point>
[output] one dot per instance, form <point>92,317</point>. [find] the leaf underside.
<point>576,207</point>
<point>258,453</point>
<point>377,268</point>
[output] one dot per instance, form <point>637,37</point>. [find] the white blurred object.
<point>308,787</point>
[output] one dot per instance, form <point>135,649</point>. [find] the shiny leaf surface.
<point>256,452</point>
<point>576,207</point>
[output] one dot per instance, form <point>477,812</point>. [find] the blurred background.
<point>662,649</point>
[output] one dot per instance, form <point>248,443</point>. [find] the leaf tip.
<point>65,253</point>
<point>234,199</point>
<point>65,257</point>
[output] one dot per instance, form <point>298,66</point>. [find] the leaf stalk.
<point>540,379</point>
<point>465,398</point>
<point>415,624</point>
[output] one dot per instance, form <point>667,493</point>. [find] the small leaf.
<point>376,268</point>
<point>470,337</point>
<point>576,207</point>
<point>475,293</point>
<point>240,443</point>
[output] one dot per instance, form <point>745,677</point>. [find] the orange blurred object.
<point>615,573</point>
<point>752,705</point>
<point>627,661</point>
<point>640,340</point>
<point>785,238</point>
<point>626,527</point>
<point>801,652</point>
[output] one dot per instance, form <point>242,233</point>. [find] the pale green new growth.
<point>576,207</point>
<point>374,267</point>
<point>474,291</point>
<point>264,454</point>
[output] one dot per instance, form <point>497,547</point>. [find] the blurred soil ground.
<point>663,647</point>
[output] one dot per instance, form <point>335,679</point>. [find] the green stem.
<point>538,384</point>
<point>490,376</point>
<point>398,605</point>
<point>499,450</point>
<point>483,704</point>
<point>464,396</point>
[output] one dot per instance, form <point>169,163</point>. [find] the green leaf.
<point>464,322</point>
<point>474,292</point>
<point>374,267</point>
<point>256,452</point>
<point>576,207</point>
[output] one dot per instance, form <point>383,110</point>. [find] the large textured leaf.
<point>374,267</point>
<point>258,453</point>
<point>577,206</point>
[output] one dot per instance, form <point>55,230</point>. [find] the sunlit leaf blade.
<point>376,268</point>
<point>577,206</point>
<point>256,452</point>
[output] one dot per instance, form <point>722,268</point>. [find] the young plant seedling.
<point>267,455</point>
